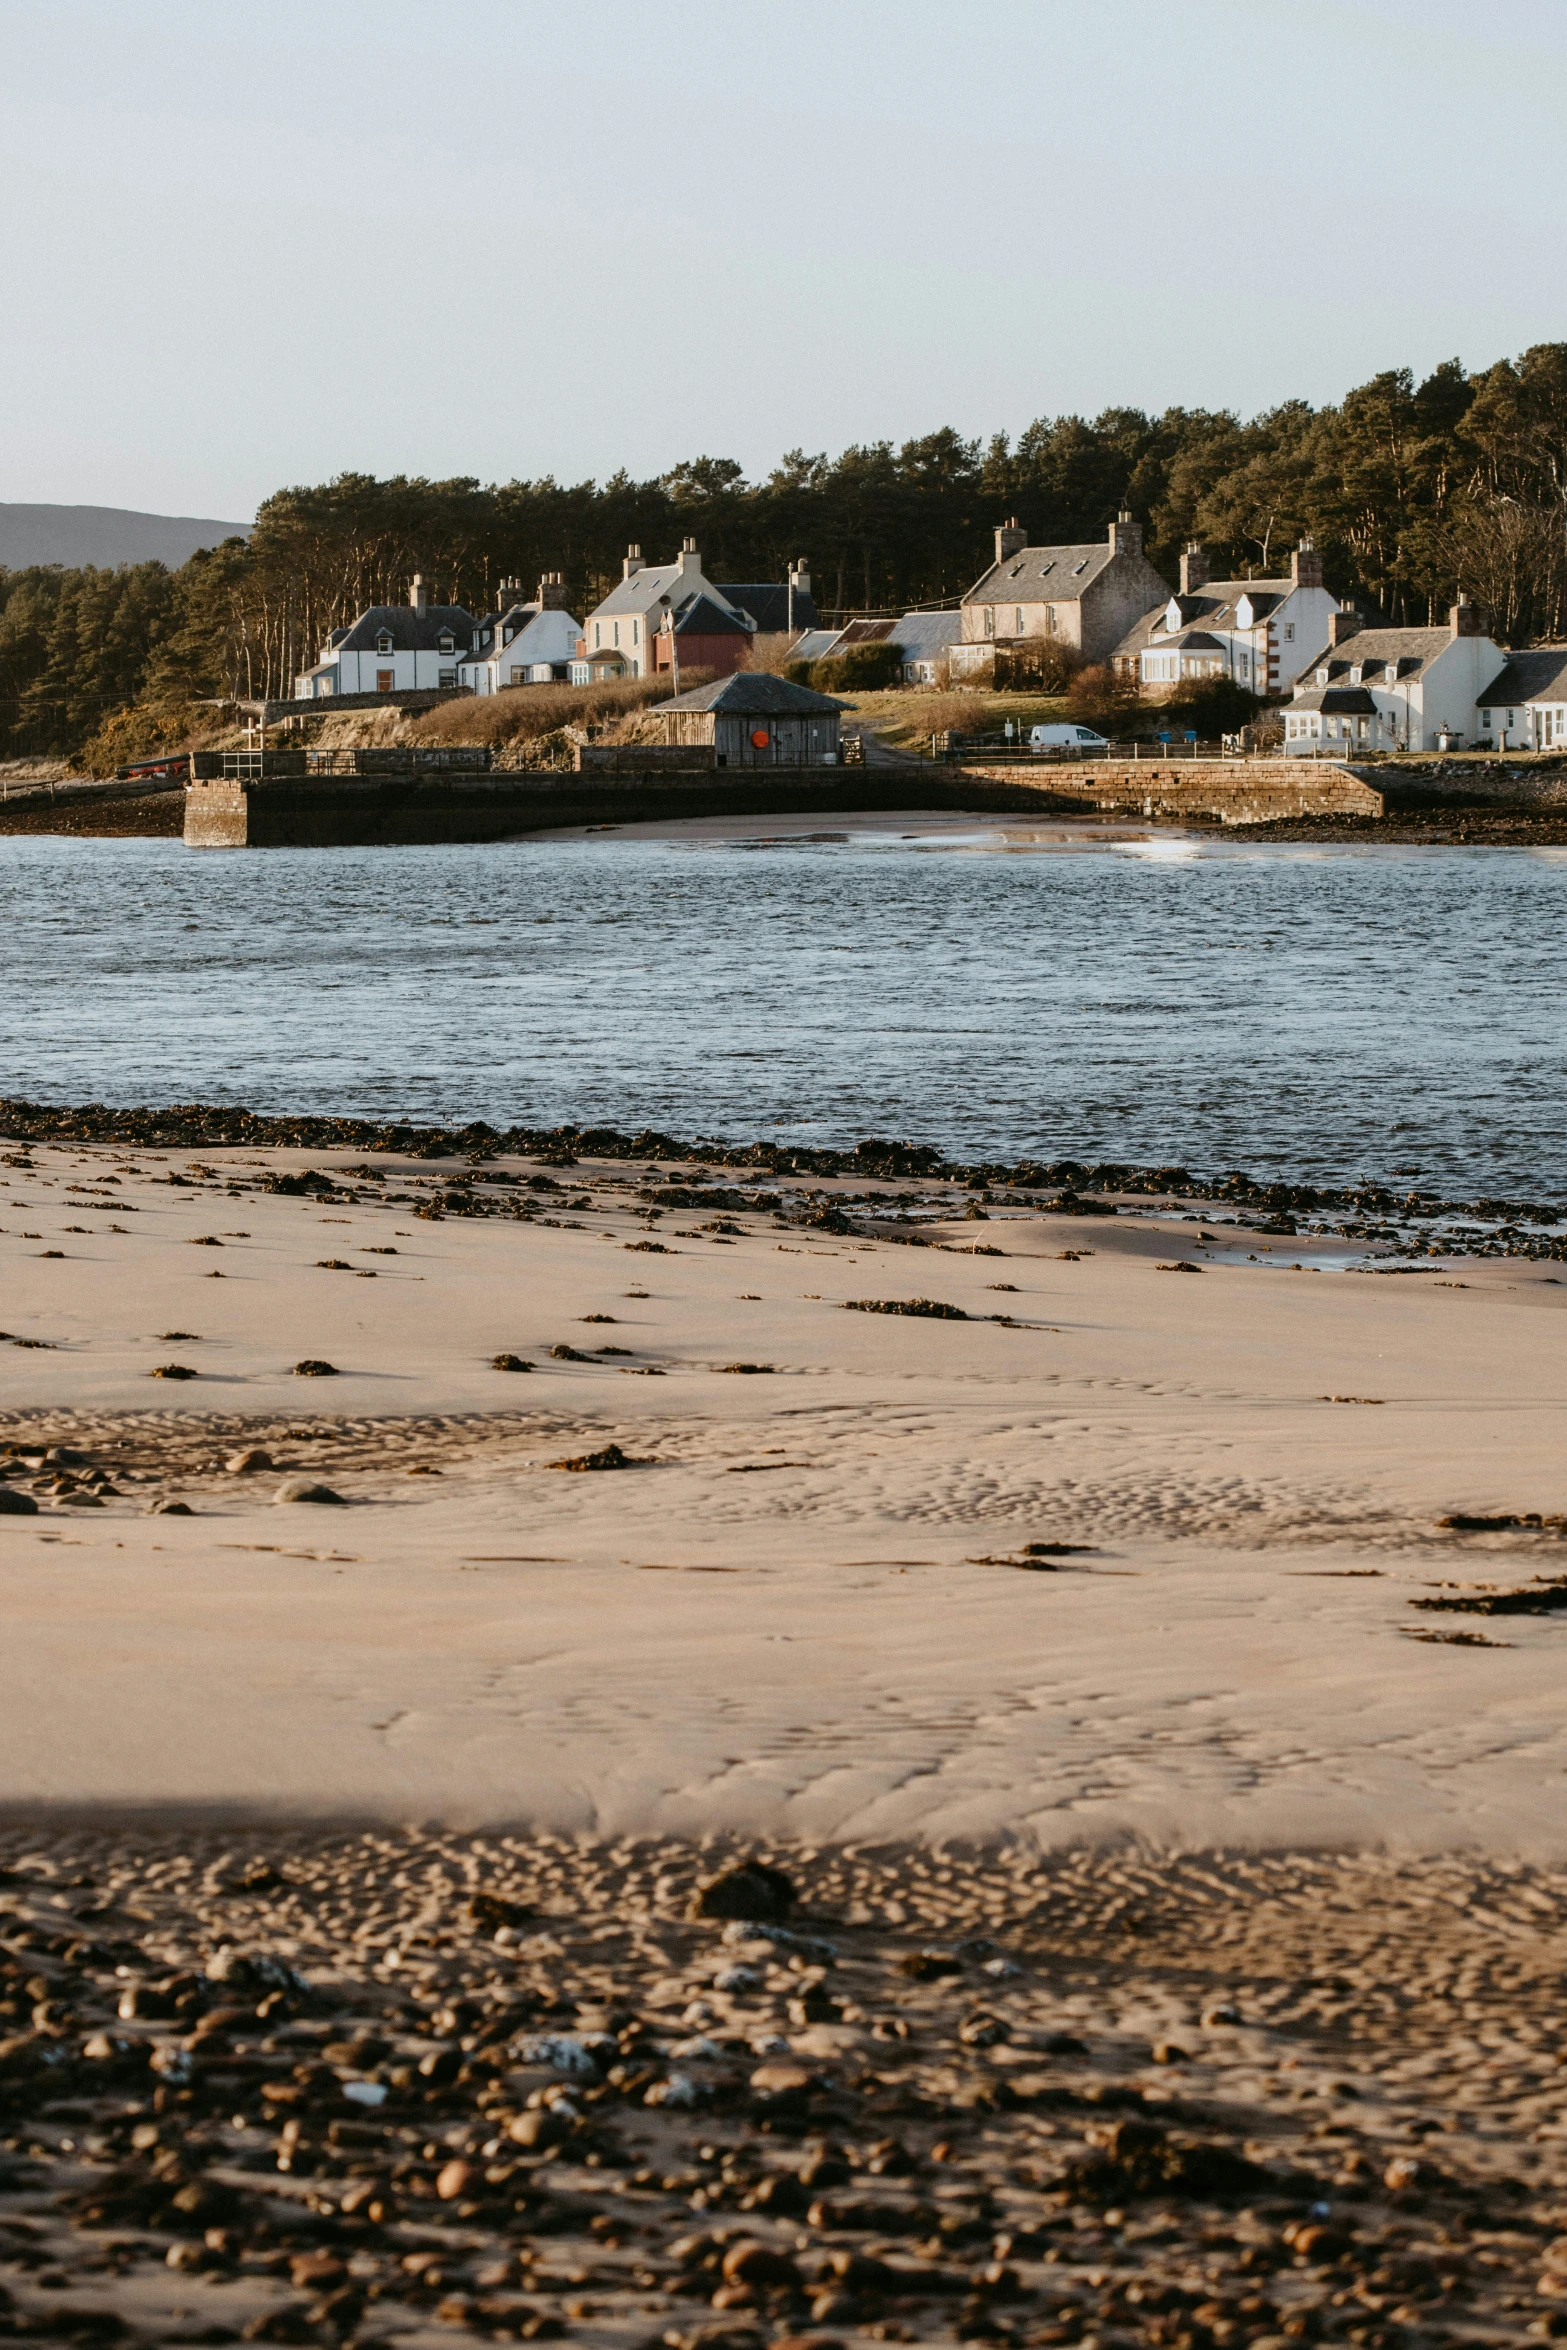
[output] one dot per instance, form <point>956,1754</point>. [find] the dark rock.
<point>753,1891</point>
<point>609,1456</point>
<point>310,1368</point>
<point>16,1505</point>
<point>930,1308</point>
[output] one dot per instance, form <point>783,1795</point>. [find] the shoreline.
<point>477,1143</point>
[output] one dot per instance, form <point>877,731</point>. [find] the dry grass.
<point>520,714</point>
<point>907,716</point>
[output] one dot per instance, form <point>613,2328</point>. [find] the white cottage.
<point>1524,708</point>
<point>1394,689</point>
<point>392,648</point>
<point>1260,632</point>
<point>522,643</point>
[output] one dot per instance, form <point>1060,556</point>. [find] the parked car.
<point>1066,738</point>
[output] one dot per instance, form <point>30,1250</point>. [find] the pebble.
<point>306,1489</point>
<point>253,1457</point>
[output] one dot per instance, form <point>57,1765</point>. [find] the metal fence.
<point>1001,748</point>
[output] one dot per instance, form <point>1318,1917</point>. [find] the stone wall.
<point>348,811</point>
<point>1236,791</point>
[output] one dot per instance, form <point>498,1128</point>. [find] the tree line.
<point>1412,490</point>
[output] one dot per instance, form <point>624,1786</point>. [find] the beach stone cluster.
<point>330,2087</point>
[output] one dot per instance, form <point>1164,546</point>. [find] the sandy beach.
<point>805,1607</point>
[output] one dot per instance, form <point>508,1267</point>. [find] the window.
<point>990,620</point>
<point>598,634</point>
<point>1077,567</point>
<point>617,632</point>
<point>1289,632</point>
<point>519,677</point>
<point>446,642</point>
<point>1050,620</point>
<point>636,632</point>
<point>383,643</point>
<point>1485,718</point>
<point>1018,630</point>
<point>1322,676</point>
<point>446,676</point>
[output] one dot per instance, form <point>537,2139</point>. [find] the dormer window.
<point>1356,672</point>
<point>1322,675</point>
<point>383,642</point>
<point>1172,614</point>
<point>446,642</point>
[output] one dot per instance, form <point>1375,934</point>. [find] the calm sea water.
<point>1316,1013</point>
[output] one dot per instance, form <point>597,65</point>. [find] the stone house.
<point>1088,597</point>
<point>637,610</point>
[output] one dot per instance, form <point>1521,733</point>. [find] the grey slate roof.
<point>751,693</point>
<point>767,601</point>
<point>1212,606</point>
<point>1538,676</point>
<point>1042,575</point>
<point>816,644</point>
<point>702,616</point>
<point>410,631</point>
<point>1408,650</point>
<point>644,587</point>
<point>1353,700</point>
<point>925,636</point>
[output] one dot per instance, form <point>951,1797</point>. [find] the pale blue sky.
<point>255,245</point>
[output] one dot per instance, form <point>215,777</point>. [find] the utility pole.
<point>668,610</point>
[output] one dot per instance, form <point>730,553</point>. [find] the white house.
<point>1260,632</point>
<point>1524,708</point>
<point>392,648</point>
<point>522,644</point>
<point>1395,689</point>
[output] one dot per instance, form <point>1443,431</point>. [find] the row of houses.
<point>1352,688</point>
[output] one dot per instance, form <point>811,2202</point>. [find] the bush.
<point>1211,706</point>
<point>1101,698</point>
<point>865,669</point>
<point>1039,664</point>
<point>138,733</point>
<point>524,712</point>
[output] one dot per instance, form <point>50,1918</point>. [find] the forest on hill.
<point>1413,490</point>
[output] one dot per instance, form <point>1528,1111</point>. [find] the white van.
<point>1066,738</point>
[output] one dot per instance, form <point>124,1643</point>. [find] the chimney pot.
<point>632,563</point>
<point>1126,536</point>
<point>1306,566</point>
<point>1195,569</point>
<point>1011,539</point>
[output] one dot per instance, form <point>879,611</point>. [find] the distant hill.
<point>105,535</point>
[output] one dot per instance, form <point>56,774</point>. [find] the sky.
<point>250,247</point>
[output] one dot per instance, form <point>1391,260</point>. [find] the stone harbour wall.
<point>359,811</point>
<point>1236,791</point>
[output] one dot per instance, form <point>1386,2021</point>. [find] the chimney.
<point>1306,566</point>
<point>1194,568</point>
<point>800,576</point>
<point>552,592</point>
<point>690,560</point>
<point>1466,619</point>
<point>1342,625</point>
<point>632,563</point>
<point>1126,536</point>
<point>419,594</point>
<point>1011,539</point>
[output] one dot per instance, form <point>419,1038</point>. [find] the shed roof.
<point>1351,699</point>
<point>752,693</point>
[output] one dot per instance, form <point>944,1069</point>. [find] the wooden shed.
<point>753,720</point>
